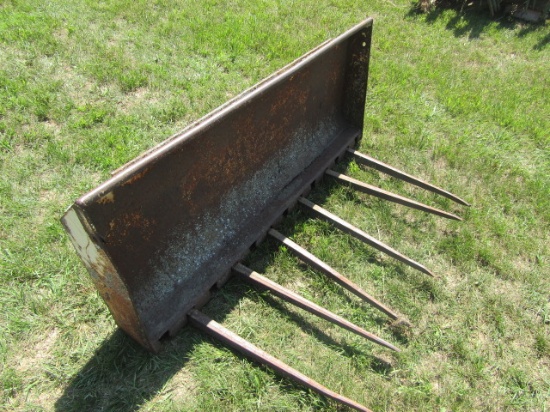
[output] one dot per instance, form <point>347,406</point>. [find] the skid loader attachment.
<point>177,221</point>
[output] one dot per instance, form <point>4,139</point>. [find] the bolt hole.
<point>364,44</point>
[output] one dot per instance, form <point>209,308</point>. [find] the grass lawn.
<point>462,101</point>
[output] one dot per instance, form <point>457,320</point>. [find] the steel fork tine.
<point>392,171</point>
<point>211,327</point>
<point>256,279</point>
<point>359,234</point>
<point>392,197</point>
<point>330,272</point>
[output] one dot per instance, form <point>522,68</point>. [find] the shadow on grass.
<point>543,42</point>
<point>122,376</point>
<point>321,336</point>
<point>472,20</point>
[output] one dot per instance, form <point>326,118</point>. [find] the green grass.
<point>459,100</point>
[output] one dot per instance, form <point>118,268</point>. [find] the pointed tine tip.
<point>452,216</point>
<point>460,200</point>
<point>394,348</point>
<point>376,339</point>
<point>428,272</point>
<point>423,269</point>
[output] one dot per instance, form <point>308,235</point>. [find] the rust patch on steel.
<point>136,177</point>
<point>129,227</point>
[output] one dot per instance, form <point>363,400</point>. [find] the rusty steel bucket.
<point>171,224</point>
<point>176,221</point>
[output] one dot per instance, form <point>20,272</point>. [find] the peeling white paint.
<point>85,247</point>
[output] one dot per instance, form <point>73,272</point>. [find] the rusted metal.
<point>392,197</point>
<point>175,222</point>
<point>168,226</point>
<point>260,281</point>
<point>359,234</point>
<point>392,171</point>
<point>211,327</point>
<point>318,264</point>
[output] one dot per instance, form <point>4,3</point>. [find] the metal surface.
<point>168,226</point>
<point>204,323</point>
<point>332,273</point>
<point>261,281</point>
